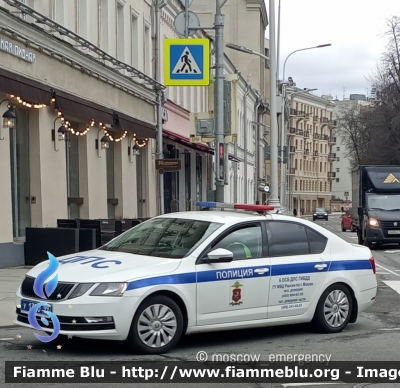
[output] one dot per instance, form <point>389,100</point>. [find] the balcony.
<point>316,119</point>
<point>301,113</point>
<point>292,112</point>
<point>315,153</point>
<point>332,157</point>
<point>324,137</point>
<point>306,134</point>
<point>332,140</point>
<point>332,123</point>
<point>291,131</point>
<point>316,136</point>
<point>307,116</point>
<point>292,149</point>
<point>299,132</point>
<point>324,120</point>
<point>291,171</point>
<point>331,175</point>
<point>306,152</point>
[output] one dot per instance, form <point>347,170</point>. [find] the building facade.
<point>310,140</point>
<point>86,67</point>
<point>80,78</point>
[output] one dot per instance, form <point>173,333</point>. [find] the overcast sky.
<point>355,28</point>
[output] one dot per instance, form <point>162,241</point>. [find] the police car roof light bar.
<point>237,206</point>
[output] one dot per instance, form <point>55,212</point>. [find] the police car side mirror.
<point>219,255</point>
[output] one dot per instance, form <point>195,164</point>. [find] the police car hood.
<point>104,266</point>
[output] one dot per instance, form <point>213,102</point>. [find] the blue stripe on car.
<point>248,272</point>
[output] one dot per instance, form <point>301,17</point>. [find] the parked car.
<point>348,222</point>
<point>199,271</point>
<point>320,213</point>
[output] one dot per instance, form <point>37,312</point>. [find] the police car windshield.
<point>383,202</point>
<point>163,237</point>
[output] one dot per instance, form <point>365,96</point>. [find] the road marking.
<point>386,269</point>
<point>395,251</point>
<point>6,339</point>
<point>392,328</point>
<point>394,284</point>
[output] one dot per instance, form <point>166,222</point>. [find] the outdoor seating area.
<point>73,236</point>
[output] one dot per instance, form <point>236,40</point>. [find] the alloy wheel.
<point>336,308</point>
<point>157,325</point>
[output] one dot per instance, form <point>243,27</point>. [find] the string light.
<point>27,103</point>
<point>140,143</point>
<point>117,139</point>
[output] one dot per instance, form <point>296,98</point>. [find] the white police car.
<point>198,271</point>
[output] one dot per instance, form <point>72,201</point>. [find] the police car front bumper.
<point>87,316</point>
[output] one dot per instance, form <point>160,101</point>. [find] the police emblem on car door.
<point>225,289</point>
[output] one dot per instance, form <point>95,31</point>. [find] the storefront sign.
<point>168,165</point>
<point>17,51</point>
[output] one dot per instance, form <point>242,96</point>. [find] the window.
<point>302,241</point>
<point>103,25</point>
<point>338,159</point>
<point>164,237</point>
<point>337,148</point>
<point>266,51</point>
<point>316,241</point>
<point>120,32</point>
<point>338,170</point>
<point>134,41</point>
<point>147,56</point>
<point>245,243</point>
<point>287,239</point>
<point>337,179</point>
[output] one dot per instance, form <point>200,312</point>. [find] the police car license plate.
<point>393,231</point>
<point>26,305</point>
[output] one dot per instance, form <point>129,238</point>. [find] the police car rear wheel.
<point>334,309</point>
<point>156,327</point>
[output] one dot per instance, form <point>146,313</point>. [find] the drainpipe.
<point>256,148</point>
<point>245,139</point>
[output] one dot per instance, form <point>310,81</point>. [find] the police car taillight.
<point>372,262</point>
<point>235,206</point>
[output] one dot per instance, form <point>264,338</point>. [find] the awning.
<point>82,109</point>
<point>196,146</point>
<point>27,89</point>
<point>139,127</point>
<point>186,142</point>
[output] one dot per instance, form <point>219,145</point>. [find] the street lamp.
<point>303,49</point>
<point>249,51</point>
<point>283,132</point>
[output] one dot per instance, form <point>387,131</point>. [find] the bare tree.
<point>371,130</point>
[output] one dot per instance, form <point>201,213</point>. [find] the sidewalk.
<point>10,279</point>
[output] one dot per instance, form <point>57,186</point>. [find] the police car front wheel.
<point>156,327</point>
<point>334,309</point>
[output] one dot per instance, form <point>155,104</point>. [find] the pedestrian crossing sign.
<point>187,62</point>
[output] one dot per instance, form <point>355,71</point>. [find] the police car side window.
<point>317,241</point>
<point>244,243</point>
<point>287,239</point>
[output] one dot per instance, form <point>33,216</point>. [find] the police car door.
<point>300,259</point>
<point>235,291</point>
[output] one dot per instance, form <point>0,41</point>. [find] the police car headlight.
<point>373,222</point>
<point>81,289</point>
<point>315,214</point>
<point>110,289</point>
